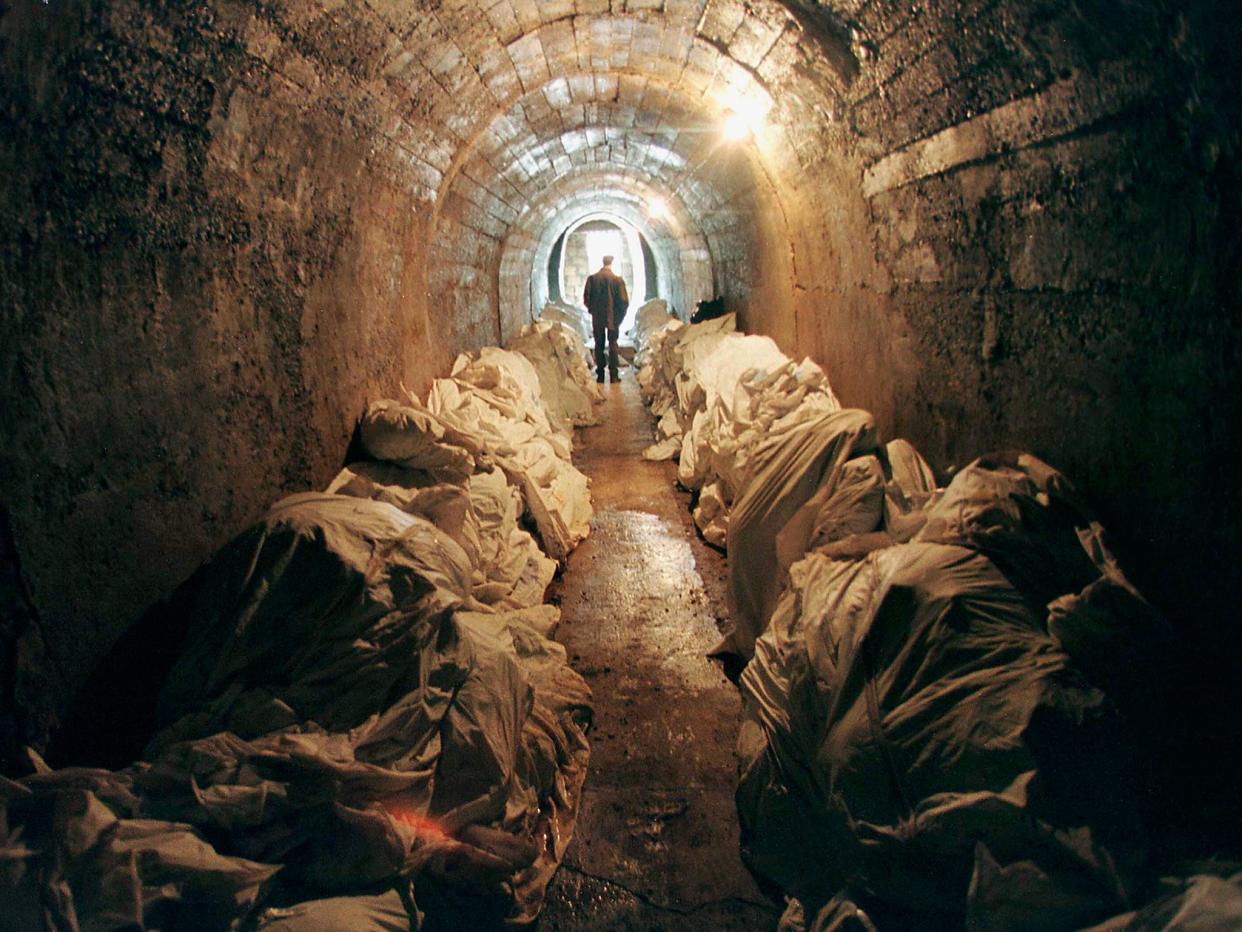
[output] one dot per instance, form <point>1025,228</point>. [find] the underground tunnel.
<point>257,261</point>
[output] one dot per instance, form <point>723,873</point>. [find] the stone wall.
<point>209,263</point>
<point>1039,256</point>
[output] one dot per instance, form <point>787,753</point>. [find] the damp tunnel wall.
<point>210,263</point>
<point>1039,256</point>
<point>225,227</point>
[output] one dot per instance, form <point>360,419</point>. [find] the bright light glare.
<point>600,243</point>
<point>742,116</point>
<point>657,208</point>
<point>736,128</point>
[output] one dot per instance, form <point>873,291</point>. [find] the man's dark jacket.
<point>605,297</point>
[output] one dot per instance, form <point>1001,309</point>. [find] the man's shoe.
<point>614,376</point>
<point>599,377</point>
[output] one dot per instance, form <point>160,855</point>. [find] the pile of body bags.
<point>557,350</point>
<point>368,714</point>
<point>649,316</point>
<point>947,691</point>
<point>649,319</point>
<point>745,423</point>
<point>575,318</point>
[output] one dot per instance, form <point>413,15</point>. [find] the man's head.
<point>607,261</point>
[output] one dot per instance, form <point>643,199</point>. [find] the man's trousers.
<point>601,328</point>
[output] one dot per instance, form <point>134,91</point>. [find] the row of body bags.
<point>368,710</point>
<point>947,692</point>
<point>639,325</point>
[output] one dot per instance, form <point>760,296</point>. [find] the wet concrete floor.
<point>656,845</point>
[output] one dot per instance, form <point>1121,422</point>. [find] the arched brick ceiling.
<point>459,72</point>
<point>530,146</point>
<point>490,104</point>
<point>552,148</point>
<point>560,93</point>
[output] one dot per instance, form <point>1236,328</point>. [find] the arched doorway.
<point>583,247</point>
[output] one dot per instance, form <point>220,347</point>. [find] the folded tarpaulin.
<point>945,727</point>
<point>801,452</point>
<point>568,390</point>
<point>334,715</point>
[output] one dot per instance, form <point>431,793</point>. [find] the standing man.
<point>605,297</point>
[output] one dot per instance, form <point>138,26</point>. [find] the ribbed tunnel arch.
<point>680,248</point>
<point>227,226</point>
<point>655,112</point>
<point>622,242</point>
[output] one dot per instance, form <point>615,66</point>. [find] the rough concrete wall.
<point>752,255</point>
<point>464,290</point>
<point>209,264</point>
<point>1043,255</point>
<point>463,295</point>
<point>520,292</point>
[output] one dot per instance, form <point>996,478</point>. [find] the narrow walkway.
<point>656,846</point>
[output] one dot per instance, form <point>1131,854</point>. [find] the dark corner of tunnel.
<point>25,717</point>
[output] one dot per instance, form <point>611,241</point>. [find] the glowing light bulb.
<point>657,208</point>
